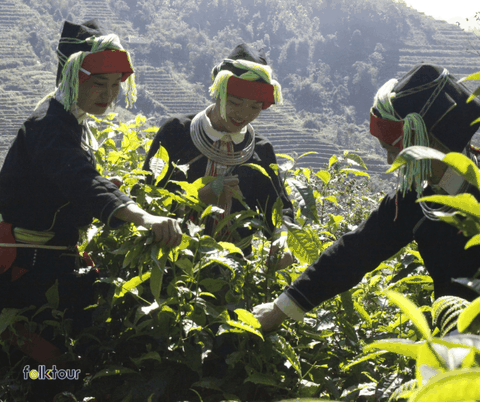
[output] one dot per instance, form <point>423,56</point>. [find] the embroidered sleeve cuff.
<point>288,306</point>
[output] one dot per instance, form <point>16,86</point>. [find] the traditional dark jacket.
<point>48,182</point>
<point>258,190</point>
<point>379,237</point>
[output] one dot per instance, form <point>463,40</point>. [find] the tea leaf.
<point>411,311</point>
<point>468,315</point>
<point>456,385</point>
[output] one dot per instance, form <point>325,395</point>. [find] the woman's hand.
<point>280,255</point>
<point>166,230</point>
<point>230,188</point>
<point>269,316</point>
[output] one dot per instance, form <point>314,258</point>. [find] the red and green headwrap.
<point>81,57</point>
<point>386,125</point>
<point>106,62</point>
<point>245,74</point>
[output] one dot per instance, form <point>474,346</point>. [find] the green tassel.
<point>261,70</point>
<point>414,133</point>
<point>416,172</point>
<point>277,92</point>
<point>69,85</point>
<point>219,90</point>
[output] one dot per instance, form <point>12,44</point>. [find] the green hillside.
<point>330,57</point>
<point>174,324</point>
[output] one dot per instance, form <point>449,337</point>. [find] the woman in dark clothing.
<point>426,107</point>
<point>219,140</point>
<point>49,185</point>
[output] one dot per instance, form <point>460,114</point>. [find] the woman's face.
<point>239,112</point>
<point>98,92</point>
<point>392,151</point>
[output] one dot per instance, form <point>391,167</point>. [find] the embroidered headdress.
<point>246,74</point>
<point>84,51</point>
<point>424,105</point>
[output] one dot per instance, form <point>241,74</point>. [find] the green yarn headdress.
<point>425,106</point>
<point>68,88</point>
<point>76,42</point>
<point>246,74</point>
<point>414,133</point>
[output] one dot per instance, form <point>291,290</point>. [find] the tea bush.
<point>175,324</point>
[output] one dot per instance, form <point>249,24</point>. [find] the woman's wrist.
<point>136,215</point>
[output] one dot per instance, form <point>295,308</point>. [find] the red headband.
<point>389,131</point>
<point>253,90</point>
<point>105,62</point>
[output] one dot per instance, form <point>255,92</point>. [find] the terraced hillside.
<point>11,13</point>
<point>29,78</point>
<point>450,47</point>
<point>447,48</point>
<point>285,131</point>
<point>170,93</point>
<point>279,124</point>
<point>99,9</point>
